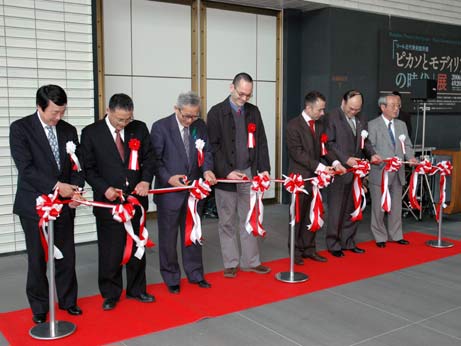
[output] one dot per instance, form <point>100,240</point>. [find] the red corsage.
<point>134,145</point>
<point>251,137</point>
<point>323,141</point>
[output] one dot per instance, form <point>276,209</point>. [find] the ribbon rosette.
<point>360,170</point>
<point>48,208</point>
<point>254,221</point>
<point>251,137</point>
<point>134,144</point>
<point>392,165</point>
<point>193,230</point>
<point>444,168</point>
<point>363,135</point>
<point>316,210</point>
<point>294,184</point>
<point>402,143</point>
<point>70,149</point>
<point>323,141</point>
<point>424,167</point>
<point>200,144</point>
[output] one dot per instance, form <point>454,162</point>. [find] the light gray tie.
<point>352,124</point>
<point>53,144</point>
<point>185,139</point>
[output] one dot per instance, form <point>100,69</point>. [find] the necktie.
<point>389,128</point>
<point>352,125</point>
<point>185,139</point>
<point>53,144</point>
<point>311,126</point>
<point>239,111</point>
<point>119,144</point>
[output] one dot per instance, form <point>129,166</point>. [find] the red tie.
<point>119,144</point>
<point>311,125</point>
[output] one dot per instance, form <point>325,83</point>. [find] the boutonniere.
<point>70,149</point>
<point>402,143</point>
<point>251,137</point>
<point>200,144</point>
<point>193,132</point>
<point>134,144</point>
<point>364,135</point>
<point>323,141</point>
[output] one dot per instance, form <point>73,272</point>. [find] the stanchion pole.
<point>439,243</point>
<point>53,329</point>
<point>292,276</point>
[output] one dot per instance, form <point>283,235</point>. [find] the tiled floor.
<point>417,306</point>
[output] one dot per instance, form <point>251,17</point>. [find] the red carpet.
<point>248,290</point>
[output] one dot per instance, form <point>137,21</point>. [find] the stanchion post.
<point>53,329</point>
<point>439,243</point>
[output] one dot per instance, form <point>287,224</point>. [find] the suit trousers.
<point>169,223</point>
<point>65,277</point>
<point>394,218</point>
<point>341,229</point>
<point>111,245</point>
<point>233,207</point>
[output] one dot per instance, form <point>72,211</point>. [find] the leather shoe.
<point>381,244</point>
<point>230,272</point>
<point>109,303</point>
<point>316,257</point>
<point>299,261</point>
<point>174,289</point>
<point>261,269</point>
<point>402,242</point>
<point>142,297</point>
<point>337,253</point>
<point>356,250</point>
<point>74,310</point>
<point>202,284</point>
<point>39,318</point>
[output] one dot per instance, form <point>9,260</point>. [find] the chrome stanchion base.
<point>442,244</point>
<point>291,277</point>
<point>44,331</point>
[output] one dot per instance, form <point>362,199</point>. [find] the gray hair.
<point>383,99</point>
<point>189,98</point>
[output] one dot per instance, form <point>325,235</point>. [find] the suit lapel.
<point>177,138</point>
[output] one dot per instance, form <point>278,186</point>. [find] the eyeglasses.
<point>243,95</point>
<point>189,116</point>
<point>394,105</point>
<point>124,121</point>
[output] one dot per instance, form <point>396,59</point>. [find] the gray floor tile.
<point>448,323</point>
<point>3,341</point>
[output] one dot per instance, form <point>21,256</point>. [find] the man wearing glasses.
<point>239,144</point>
<point>177,141</point>
<point>106,146</point>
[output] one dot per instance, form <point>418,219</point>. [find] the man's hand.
<point>76,196</point>
<point>352,161</point>
<point>209,177</point>
<point>177,180</point>
<point>265,173</point>
<point>66,190</point>
<point>340,168</point>
<point>236,175</point>
<point>142,188</point>
<point>375,159</point>
<point>330,170</point>
<point>112,194</point>
<point>413,162</point>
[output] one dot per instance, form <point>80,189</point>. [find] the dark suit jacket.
<point>104,167</point>
<point>221,134</point>
<point>171,159</point>
<point>37,169</point>
<point>343,143</point>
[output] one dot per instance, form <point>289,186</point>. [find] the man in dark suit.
<point>303,137</point>
<point>175,140</point>
<point>106,151</point>
<point>38,146</point>
<point>344,129</point>
<point>231,125</point>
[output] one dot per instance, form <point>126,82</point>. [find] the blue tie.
<point>391,134</point>
<point>53,144</point>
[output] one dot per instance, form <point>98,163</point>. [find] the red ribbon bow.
<point>445,169</point>
<point>255,217</point>
<point>424,167</point>
<point>294,184</point>
<point>134,144</point>
<point>193,229</point>
<point>392,165</point>
<point>360,170</point>
<point>316,209</point>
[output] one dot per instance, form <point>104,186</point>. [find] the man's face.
<point>52,114</point>
<point>241,92</point>
<point>316,110</point>
<point>187,114</point>
<point>391,108</point>
<point>119,118</point>
<point>352,106</point>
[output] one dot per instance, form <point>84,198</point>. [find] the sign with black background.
<point>405,57</point>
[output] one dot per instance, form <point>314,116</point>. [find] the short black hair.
<point>312,97</point>
<point>121,101</point>
<point>242,75</point>
<point>350,94</point>
<point>50,92</point>
<point>396,93</point>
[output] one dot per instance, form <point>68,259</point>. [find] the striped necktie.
<point>53,144</point>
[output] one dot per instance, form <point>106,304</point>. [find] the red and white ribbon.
<point>363,135</point>
<point>70,149</point>
<point>360,171</point>
<point>200,144</point>
<point>48,208</point>
<point>392,165</point>
<point>200,189</point>
<point>251,137</point>
<point>254,220</point>
<point>402,143</point>
<point>294,184</point>
<point>323,141</point>
<point>445,169</point>
<point>424,167</point>
<point>134,144</point>
<point>316,210</point>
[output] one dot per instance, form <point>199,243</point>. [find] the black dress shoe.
<point>202,284</point>
<point>356,250</point>
<point>337,253</point>
<point>109,303</point>
<point>402,242</point>
<point>316,257</point>
<point>74,310</point>
<point>39,318</point>
<point>142,297</point>
<point>381,244</point>
<point>299,261</point>
<point>173,289</point>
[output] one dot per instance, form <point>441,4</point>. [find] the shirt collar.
<point>112,129</point>
<point>181,127</point>
<point>306,117</point>
<point>234,106</point>
<point>386,121</point>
